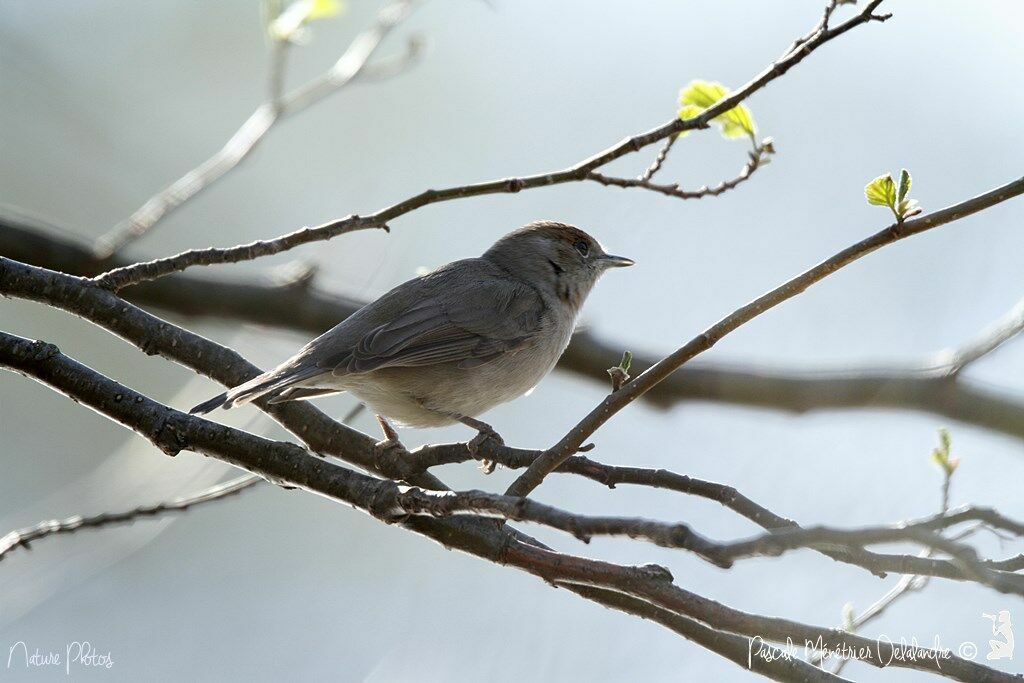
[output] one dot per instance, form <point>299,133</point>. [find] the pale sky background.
<point>102,103</point>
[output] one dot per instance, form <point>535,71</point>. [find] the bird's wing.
<point>467,321</point>
<point>467,313</point>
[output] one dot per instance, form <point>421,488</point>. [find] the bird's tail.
<point>271,384</point>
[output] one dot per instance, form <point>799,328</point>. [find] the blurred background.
<point>103,103</point>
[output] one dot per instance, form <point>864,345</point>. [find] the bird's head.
<point>556,258</point>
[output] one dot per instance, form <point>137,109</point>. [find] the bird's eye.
<point>582,247</point>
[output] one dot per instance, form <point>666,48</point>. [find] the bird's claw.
<point>385,452</point>
<point>388,445</point>
<point>482,437</point>
<point>478,442</point>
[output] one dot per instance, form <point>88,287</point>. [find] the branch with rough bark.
<point>25,356</point>
<point>291,465</point>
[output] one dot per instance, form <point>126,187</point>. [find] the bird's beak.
<point>610,261</point>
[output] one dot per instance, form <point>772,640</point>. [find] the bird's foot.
<point>481,442</point>
<point>385,451</point>
<point>483,436</point>
<point>486,438</point>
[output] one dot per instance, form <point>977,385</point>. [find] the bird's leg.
<point>485,433</point>
<point>383,449</point>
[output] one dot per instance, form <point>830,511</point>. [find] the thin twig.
<point>823,24</point>
<point>921,531</point>
<point>761,658</point>
<point>722,554</point>
<point>954,361</point>
<point>255,128</point>
<point>755,161</point>
<point>22,538</point>
<point>909,583</point>
<point>880,564</point>
<point>659,159</point>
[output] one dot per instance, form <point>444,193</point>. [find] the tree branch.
<point>22,538</point>
<point>908,583</point>
<point>659,159</point>
<point>769,661</point>
<point>755,161</point>
<point>172,430</point>
<point>954,361</point>
<point>122,277</point>
<point>584,527</point>
<point>565,569</point>
<point>277,107</point>
<point>879,564</point>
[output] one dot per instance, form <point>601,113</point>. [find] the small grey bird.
<point>452,344</point>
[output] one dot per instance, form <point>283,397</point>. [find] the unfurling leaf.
<point>627,360</point>
<point>904,188</point>
<point>882,191</point>
<point>941,455</point>
<point>620,373</point>
<point>700,95</point>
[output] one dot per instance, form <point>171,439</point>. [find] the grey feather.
<point>469,311</point>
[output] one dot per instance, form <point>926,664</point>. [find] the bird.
<point>447,346</point>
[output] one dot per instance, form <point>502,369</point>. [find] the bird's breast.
<point>426,396</point>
